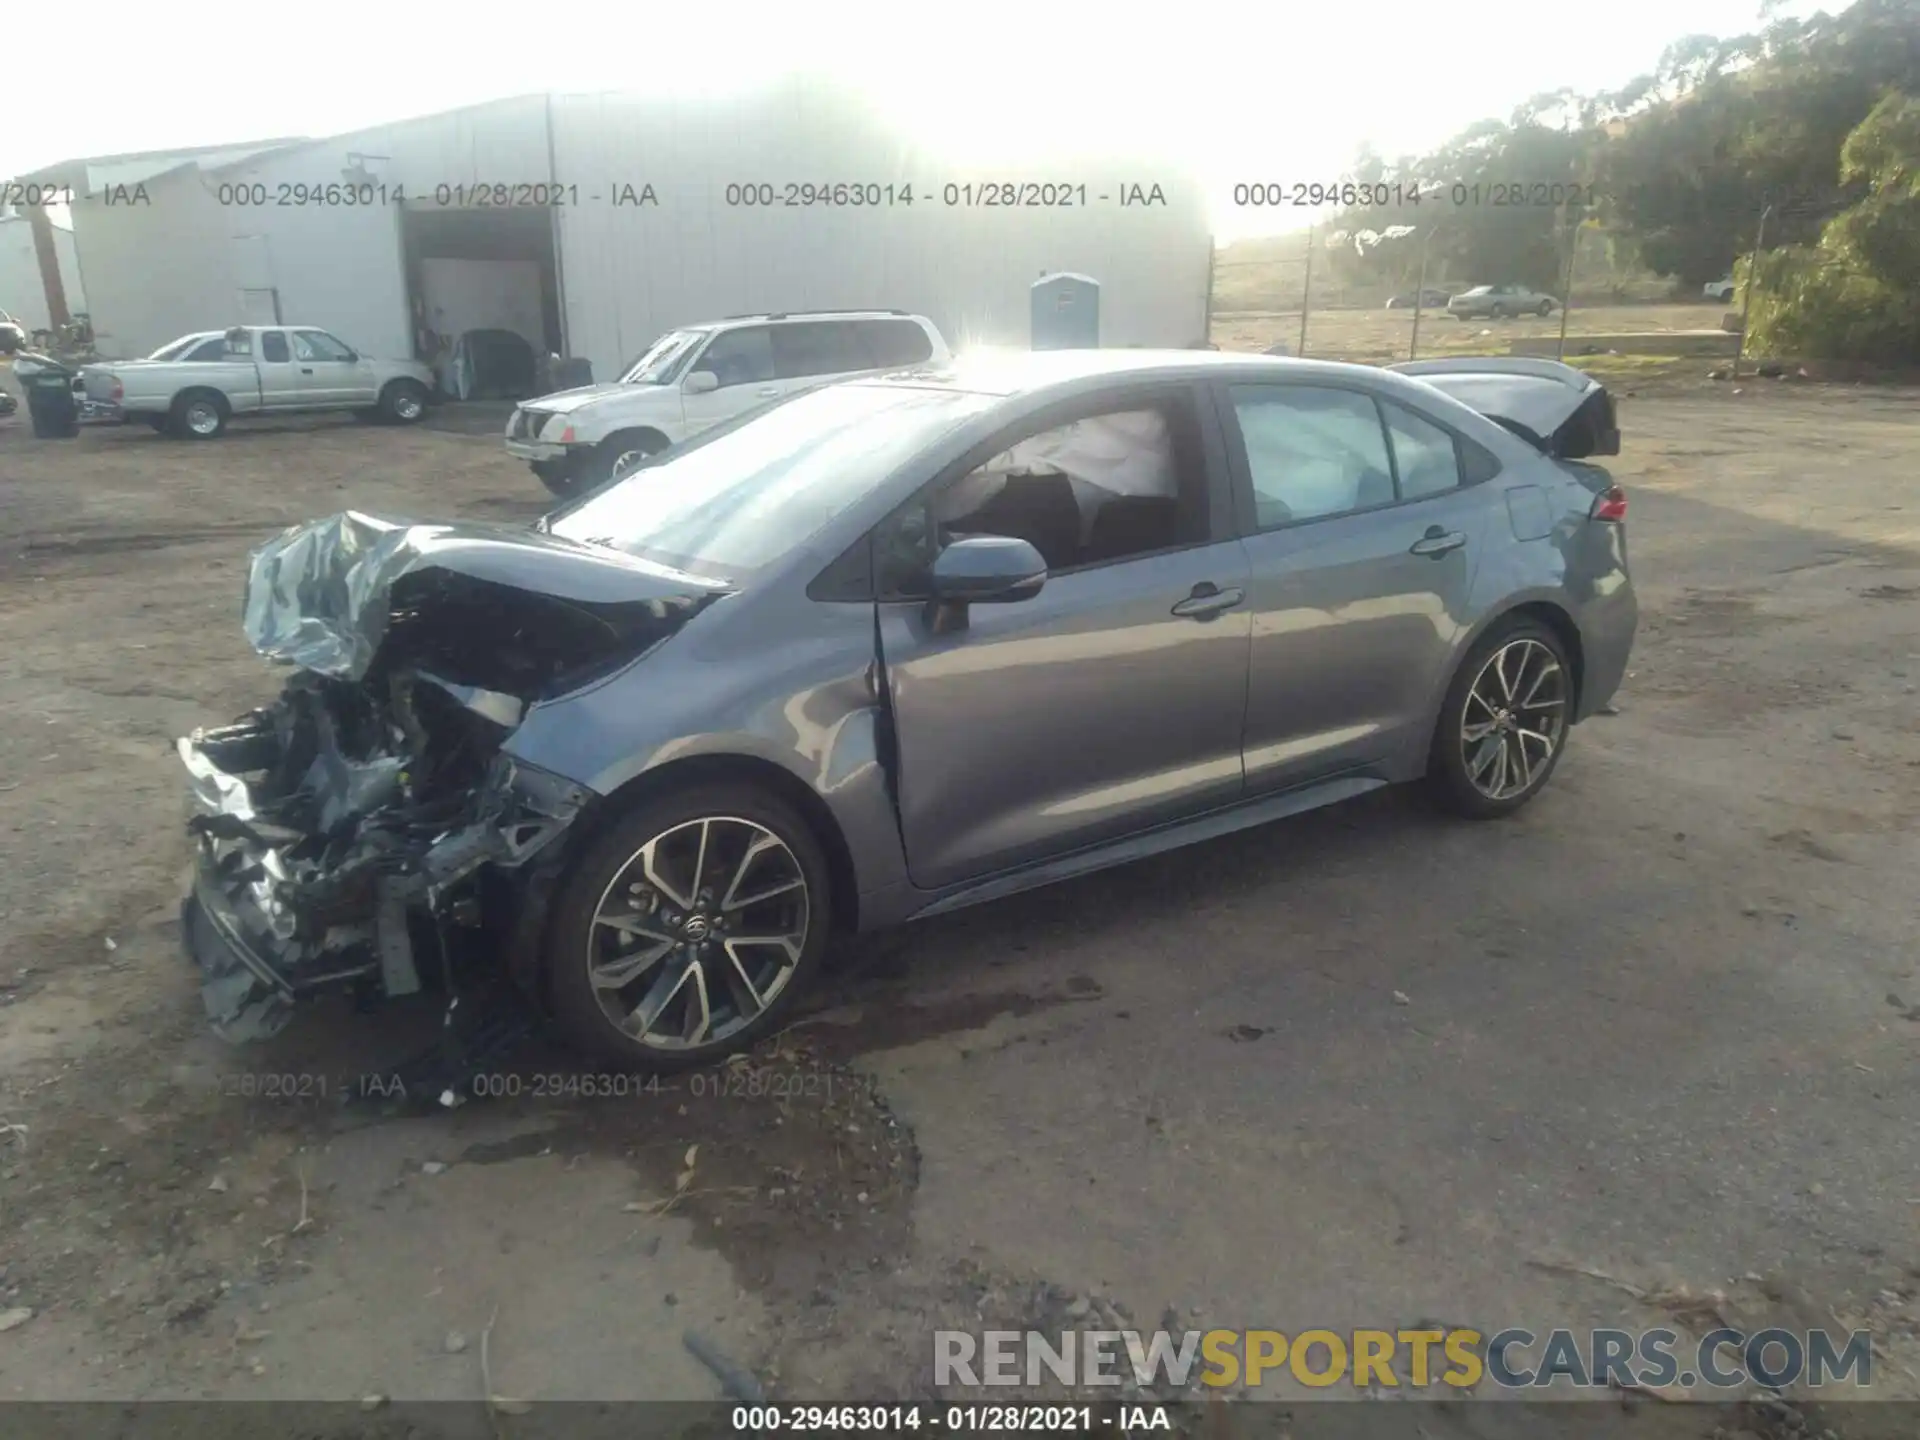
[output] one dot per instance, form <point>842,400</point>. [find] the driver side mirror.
<point>700,382</point>
<point>987,569</point>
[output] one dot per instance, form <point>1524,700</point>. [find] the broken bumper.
<point>276,916</point>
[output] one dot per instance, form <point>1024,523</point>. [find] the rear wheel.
<point>199,414</point>
<point>1544,308</point>
<point>1498,312</point>
<point>687,929</point>
<point>1504,721</point>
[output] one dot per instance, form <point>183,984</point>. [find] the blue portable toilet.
<point>1066,312</point>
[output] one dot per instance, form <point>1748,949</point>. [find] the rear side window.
<point>893,343</point>
<point>214,349</point>
<point>1312,451</point>
<point>273,346</point>
<point>818,347</point>
<point>1423,453</point>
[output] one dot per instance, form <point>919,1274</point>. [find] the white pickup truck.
<point>194,385</point>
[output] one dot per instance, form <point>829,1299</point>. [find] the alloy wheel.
<point>202,418</point>
<point>698,932</point>
<point>407,406</point>
<point>1514,718</point>
<point>629,460</point>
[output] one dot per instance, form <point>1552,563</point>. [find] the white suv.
<point>693,378</point>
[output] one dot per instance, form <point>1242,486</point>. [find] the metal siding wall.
<point>632,273</point>
<point>154,271</point>
<point>341,267</point>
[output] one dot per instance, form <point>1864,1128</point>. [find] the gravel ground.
<point>1642,1055</point>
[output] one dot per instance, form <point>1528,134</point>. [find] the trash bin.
<point>50,402</point>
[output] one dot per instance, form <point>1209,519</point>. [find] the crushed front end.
<point>366,829</point>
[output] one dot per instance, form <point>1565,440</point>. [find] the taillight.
<point>119,391</point>
<point>1610,506</point>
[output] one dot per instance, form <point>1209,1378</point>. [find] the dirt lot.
<point>1642,1055</point>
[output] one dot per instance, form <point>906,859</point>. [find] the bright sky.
<point>1229,90</point>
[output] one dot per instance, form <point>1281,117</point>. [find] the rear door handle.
<point>1207,601</point>
<point>1437,542</point>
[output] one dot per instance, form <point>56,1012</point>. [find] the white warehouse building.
<point>590,224</point>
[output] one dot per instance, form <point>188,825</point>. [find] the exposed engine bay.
<point>353,829</point>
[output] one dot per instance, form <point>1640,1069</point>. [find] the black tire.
<point>614,856</point>
<point>608,454</point>
<point>403,402</point>
<point>1448,777</point>
<point>558,476</point>
<point>1498,312</point>
<point>1544,309</point>
<point>199,414</point>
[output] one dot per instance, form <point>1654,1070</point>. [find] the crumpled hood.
<point>1562,409</point>
<point>326,595</point>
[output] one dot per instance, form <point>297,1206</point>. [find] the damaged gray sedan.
<point>884,649</point>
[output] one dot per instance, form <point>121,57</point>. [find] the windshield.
<point>746,494</point>
<point>662,358</point>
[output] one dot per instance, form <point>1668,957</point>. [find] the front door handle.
<point>1437,542</point>
<point>1207,601</point>
<point>304,370</point>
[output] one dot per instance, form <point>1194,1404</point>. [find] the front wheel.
<point>403,401</point>
<point>687,929</point>
<point>1504,722</point>
<point>622,454</point>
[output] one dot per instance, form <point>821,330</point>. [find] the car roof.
<point>1007,373</point>
<point>777,317</point>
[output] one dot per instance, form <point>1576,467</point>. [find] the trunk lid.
<point>1562,411</point>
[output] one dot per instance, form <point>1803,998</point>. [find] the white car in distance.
<point>697,376</point>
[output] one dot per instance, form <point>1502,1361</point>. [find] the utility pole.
<point>1306,292</point>
<point>1566,290</point>
<point>1746,290</point>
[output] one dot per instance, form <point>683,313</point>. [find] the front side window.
<point>739,357</point>
<point>749,492</point>
<point>1312,451</point>
<point>1098,489</point>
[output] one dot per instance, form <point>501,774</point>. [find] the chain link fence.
<point>1291,291</point>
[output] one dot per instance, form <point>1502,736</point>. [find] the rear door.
<point>331,372</point>
<point>1363,536</point>
<point>742,361</point>
<point>279,376</point>
<point>817,352</point>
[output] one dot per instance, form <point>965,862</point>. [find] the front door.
<point>742,361</point>
<point>331,374</point>
<point>1363,543</point>
<point>1110,702</point>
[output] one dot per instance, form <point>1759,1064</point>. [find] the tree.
<point>1857,293</point>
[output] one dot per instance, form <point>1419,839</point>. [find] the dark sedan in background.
<point>887,648</point>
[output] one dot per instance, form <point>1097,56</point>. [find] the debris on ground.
<point>13,1319</point>
<point>735,1380</point>
<point>456,1342</point>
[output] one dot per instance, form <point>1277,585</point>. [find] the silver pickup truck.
<point>194,385</point>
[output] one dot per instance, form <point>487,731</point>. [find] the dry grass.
<point>1379,336</point>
